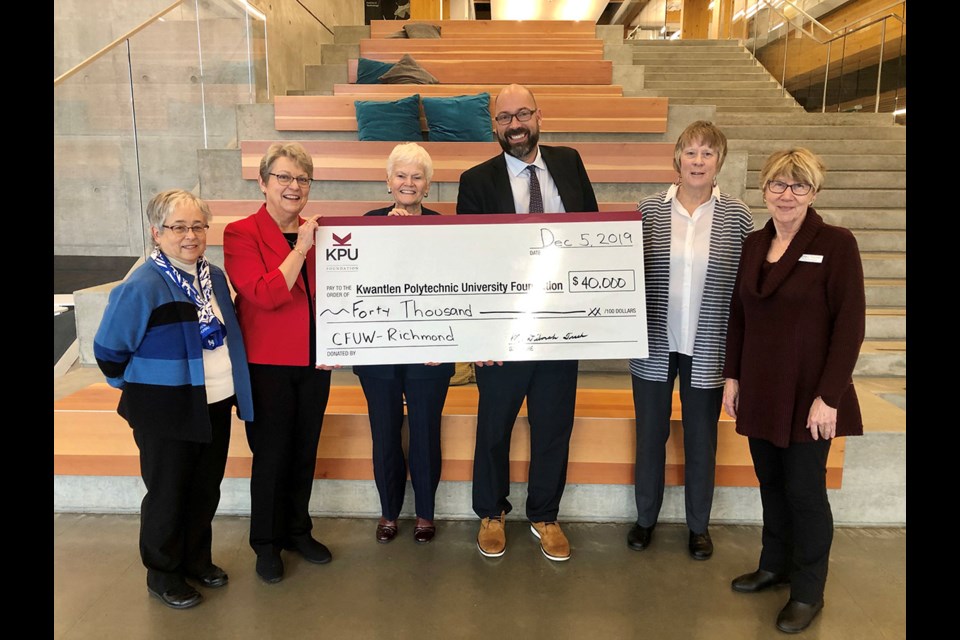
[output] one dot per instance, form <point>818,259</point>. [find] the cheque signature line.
<point>571,340</point>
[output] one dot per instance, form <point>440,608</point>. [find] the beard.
<point>519,150</point>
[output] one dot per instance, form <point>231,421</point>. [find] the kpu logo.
<point>340,249</point>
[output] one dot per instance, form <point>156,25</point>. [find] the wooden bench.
<point>617,162</point>
<point>394,91</point>
<point>226,211</point>
<point>448,48</point>
<point>493,29</point>
<point>91,439</point>
<point>562,114</point>
<point>524,71</point>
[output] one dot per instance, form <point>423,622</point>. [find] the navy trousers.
<point>550,388</point>
<point>425,398</point>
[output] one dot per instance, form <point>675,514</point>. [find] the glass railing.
<point>129,121</point>
<point>828,65</point>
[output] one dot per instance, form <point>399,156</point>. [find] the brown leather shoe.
<point>492,540</point>
<point>553,543</point>
<point>386,530</point>
<point>424,531</point>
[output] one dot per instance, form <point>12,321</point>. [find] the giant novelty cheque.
<point>462,288</point>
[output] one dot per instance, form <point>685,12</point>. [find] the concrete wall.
<point>83,27</point>
<point>873,493</point>
<point>180,103</point>
<point>295,31</point>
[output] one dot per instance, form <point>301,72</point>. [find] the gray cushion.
<point>408,71</point>
<point>420,30</point>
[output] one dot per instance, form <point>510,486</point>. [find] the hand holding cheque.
<point>482,288</point>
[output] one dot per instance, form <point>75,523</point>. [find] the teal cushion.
<point>398,120</point>
<point>369,71</point>
<point>459,119</point>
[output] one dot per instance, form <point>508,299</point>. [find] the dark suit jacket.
<point>407,371</point>
<point>485,188</point>
<point>275,320</point>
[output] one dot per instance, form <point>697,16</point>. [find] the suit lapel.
<point>274,241</point>
<point>501,186</point>
<point>558,173</point>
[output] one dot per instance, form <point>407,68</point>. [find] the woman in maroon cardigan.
<point>796,325</point>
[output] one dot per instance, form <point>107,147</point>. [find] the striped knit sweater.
<point>732,222</point>
<point>148,345</point>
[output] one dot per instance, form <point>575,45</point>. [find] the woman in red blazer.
<point>270,259</point>
<point>796,325</point>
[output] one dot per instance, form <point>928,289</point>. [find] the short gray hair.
<point>292,150</point>
<point>410,153</point>
<point>166,202</point>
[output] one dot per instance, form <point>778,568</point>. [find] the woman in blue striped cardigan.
<point>170,340</point>
<point>692,237</point>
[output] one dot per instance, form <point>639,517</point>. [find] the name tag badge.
<point>811,257</point>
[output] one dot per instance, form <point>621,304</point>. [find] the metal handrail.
<point>803,13</point>
<point>129,34</point>
<point>837,36</point>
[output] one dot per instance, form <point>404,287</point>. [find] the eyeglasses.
<point>285,179</point>
<point>506,118</point>
<point>798,188</point>
<point>180,230</point>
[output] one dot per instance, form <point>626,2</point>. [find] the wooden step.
<point>91,439</point>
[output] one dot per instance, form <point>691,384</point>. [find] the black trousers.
<point>425,398</point>
<point>797,520</point>
<point>652,403</point>
<point>183,491</point>
<point>550,388</point>
<point>288,406</point>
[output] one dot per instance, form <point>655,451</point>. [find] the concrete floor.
<point>447,590</point>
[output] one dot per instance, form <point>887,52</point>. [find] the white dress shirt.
<point>689,254</point>
<point>520,184</point>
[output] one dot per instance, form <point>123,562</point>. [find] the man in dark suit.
<point>526,178</point>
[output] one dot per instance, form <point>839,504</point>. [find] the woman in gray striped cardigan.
<point>692,237</point>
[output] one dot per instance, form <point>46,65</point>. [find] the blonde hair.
<point>798,164</point>
<point>704,132</point>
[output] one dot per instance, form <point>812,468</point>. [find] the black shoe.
<point>181,596</point>
<point>700,545</point>
<point>212,577</point>
<point>639,537</point>
<point>797,616</point>
<point>758,581</point>
<point>310,549</point>
<point>270,567</point>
